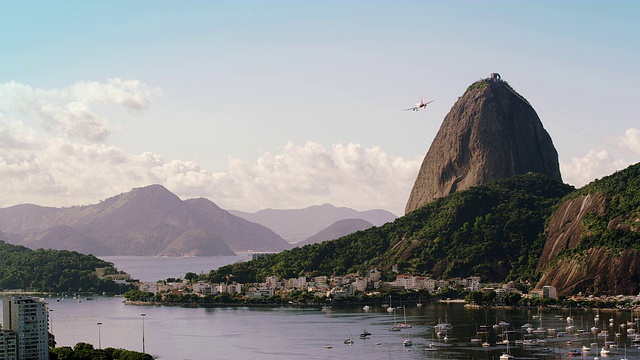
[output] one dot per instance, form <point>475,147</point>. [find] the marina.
<point>173,332</point>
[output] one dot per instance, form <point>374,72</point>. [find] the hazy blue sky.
<point>288,104</point>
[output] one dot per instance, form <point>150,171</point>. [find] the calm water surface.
<point>289,333</point>
<point>154,268</point>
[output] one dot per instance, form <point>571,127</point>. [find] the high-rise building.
<point>28,318</point>
<point>8,345</point>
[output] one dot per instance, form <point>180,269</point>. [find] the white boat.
<point>507,355</point>
<point>605,352</point>
<point>407,342</point>
<point>404,325</point>
<point>390,308</point>
<point>366,308</point>
<point>443,327</point>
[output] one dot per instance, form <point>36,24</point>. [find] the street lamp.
<point>99,339</point>
<point>143,315</point>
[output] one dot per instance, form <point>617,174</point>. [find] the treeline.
<point>52,271</point>
<point>84,351</point>
<point>495,231</point>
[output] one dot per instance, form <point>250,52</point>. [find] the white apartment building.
<point>28,318</point>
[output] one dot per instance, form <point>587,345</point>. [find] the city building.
<point>8,345</point>
<point>28,319</point>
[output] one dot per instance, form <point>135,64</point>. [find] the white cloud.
<point>67,111</point>
<point>132,94</point>
<point>631,140</point>
<point>58,172</point>
<point>599,163</point>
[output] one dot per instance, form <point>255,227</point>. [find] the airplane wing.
<point>413,108</point>
<point>429,102</point>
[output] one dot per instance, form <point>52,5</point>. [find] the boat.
<point>605,352</point>
<point>390,308</point>
<point>394,327</point>
<point>404,325</point>
<point>574,353</point>
<point>365,334</point>
<point>585,348</point>
<point>443,327</point>
<point>348,342</point>
<point>407,342</point>
<point>507,355</point>
<point>366,308</point>
<point>419,304</point>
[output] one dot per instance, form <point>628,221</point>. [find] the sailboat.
<point>507,355</point>
<point>476,339</point>
<point>404,324</point>
<point>394,327</point>
<point>419,304</point>
<point>390,308</point>
<point>432,345</point>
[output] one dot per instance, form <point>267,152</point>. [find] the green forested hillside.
<point>617,228</point>
<point>52,271</point>
<point>493,231</point>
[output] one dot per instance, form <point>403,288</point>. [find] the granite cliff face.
<point>593,238</point>
<point>602,269</point>
<point>490,133</point>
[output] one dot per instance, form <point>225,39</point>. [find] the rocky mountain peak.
<point>490,133</point>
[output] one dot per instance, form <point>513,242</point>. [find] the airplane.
<point>420,105</point>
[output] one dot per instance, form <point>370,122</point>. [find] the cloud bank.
<point>55,151</point>
<point>598,163</point>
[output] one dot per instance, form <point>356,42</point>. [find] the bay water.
<point>280,332</point>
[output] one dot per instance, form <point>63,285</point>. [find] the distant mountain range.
<point>296,225</point>
<point>153,221</point>
<point>337,230</point>
<point>145,221</point>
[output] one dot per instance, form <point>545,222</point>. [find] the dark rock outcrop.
<point>596,271</point>
<point>603,270</point>
<point>565,226</point>
<point>490,133</point>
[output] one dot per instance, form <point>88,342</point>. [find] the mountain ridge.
<point>296,225</point>
<point>143,221</point>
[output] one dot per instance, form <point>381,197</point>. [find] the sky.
<point>289,104</point>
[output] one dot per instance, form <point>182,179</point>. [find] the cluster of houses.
<point>336,287</point>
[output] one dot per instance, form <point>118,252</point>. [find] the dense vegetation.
<point>52,271</point>
<point>493,231</point>
<point>84,351</point>
<point>616,228</point>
